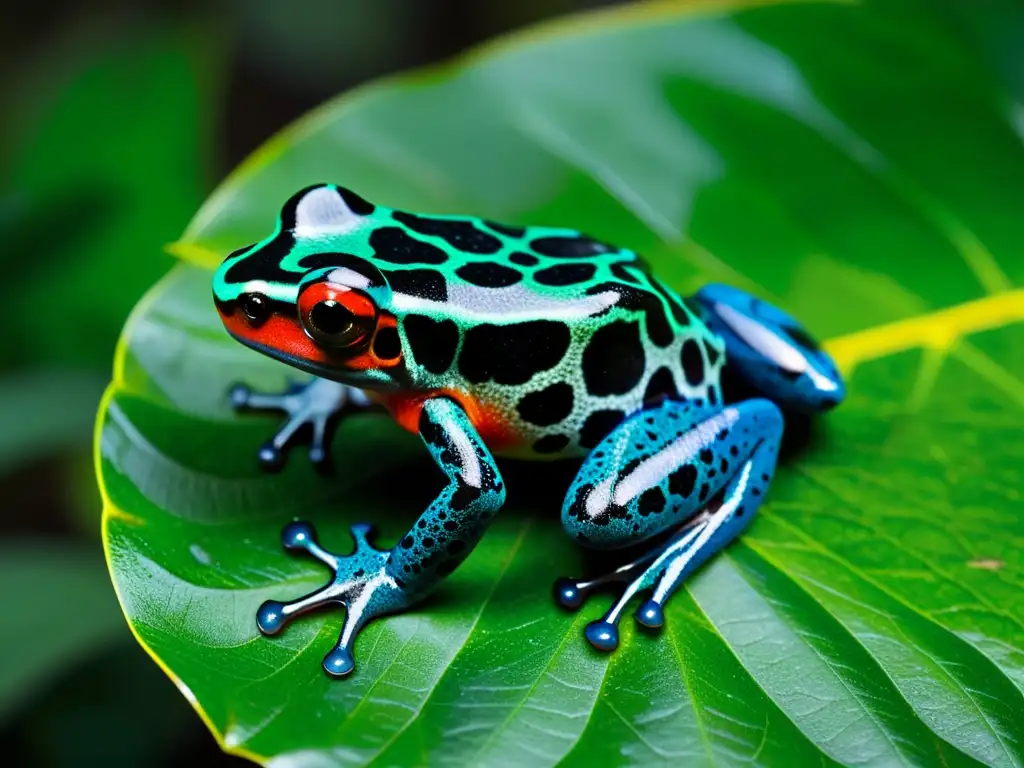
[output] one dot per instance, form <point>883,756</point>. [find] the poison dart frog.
<point>534,342</point>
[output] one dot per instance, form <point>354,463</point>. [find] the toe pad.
<point>270,618</point>
<point>650,615</point>
<point>338,663</point>
<point>602,635</point>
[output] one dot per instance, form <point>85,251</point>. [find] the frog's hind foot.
<point>725,505</point>
<point>661,571</point>
<point>361,584</point>
<point>312,409</point>
<point>637,575</point>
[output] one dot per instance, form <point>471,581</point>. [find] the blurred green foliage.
<point>116,120</point>
<point>112,167</point>
<point>107,153</point>
<point>88,617</point>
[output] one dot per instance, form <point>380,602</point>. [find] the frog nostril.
<point>255,307</point>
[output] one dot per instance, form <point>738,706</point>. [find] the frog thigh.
<point>707,477</point>
<point>660,467</point>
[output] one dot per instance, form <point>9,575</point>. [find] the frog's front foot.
<point>314,408</point>
<point>362,584</point>
<point>371,582</point>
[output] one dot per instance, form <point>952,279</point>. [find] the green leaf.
<point>57,611</point>
<point>859,165</point>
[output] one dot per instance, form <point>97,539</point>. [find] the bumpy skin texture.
<point>532,342</point>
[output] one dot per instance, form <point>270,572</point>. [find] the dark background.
<point>117,119</point>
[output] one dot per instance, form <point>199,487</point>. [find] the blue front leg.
<point>370,581</point>
<point>675,465</point>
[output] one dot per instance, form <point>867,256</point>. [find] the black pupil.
<point>330,317</point>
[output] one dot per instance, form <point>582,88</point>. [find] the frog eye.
<point>336,316</point>
<point>255,307</point>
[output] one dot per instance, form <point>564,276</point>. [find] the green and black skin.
<point>533,342</point>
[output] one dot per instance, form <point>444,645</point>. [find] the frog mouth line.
<point>295,362</point>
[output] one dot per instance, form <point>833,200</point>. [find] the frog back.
<point>547,336</point>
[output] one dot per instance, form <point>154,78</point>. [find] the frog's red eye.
<point>336,316</point>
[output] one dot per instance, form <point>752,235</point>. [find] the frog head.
<point>310,296</point>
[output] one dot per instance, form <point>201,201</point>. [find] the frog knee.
<point>760,417</point>
<point>592,516</point>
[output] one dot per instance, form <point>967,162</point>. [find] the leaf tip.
<point>194,254</point>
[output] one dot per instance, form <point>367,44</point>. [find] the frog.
<point>524,342</point>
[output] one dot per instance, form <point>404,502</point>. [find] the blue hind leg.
<point>677,466</point>
<point>715,528</point>
<point>770,350</point>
